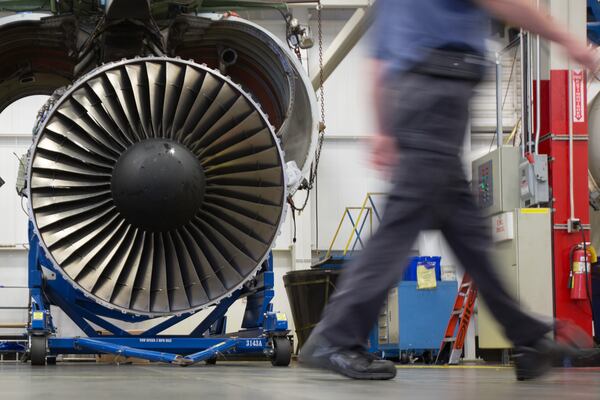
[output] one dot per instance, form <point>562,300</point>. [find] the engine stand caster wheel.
<point>282,352</point>
<point>51,360</point>
<point>211,361</point>
<point>37,351</point>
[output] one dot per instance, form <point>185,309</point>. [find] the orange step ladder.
<point>452,346</point>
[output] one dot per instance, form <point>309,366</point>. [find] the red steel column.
<point>555,128</point>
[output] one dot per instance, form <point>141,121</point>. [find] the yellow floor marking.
<point>452,367</point>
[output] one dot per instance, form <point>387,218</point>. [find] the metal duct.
<point>157,186</point>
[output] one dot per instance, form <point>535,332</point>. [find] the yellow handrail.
<point>339,228</point>
<point>355,228</point>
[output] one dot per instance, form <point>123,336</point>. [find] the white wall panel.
<point>348,105</point>
<point>13,277</point>
<point>19,117</point>
<point>16,123</point>
<point>13,220</point>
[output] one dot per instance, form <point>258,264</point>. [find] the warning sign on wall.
<point>502,227</point>
<point>578,96</point>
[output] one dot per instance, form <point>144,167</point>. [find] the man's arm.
<point>383,145</point>
<point>523,14</point>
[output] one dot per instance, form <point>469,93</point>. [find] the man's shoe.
<point>535,361</point>
<point>317,353</point>
<point>531,362</point>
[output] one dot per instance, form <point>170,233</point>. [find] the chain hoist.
<point>308,185</point>
<point>321,98</point>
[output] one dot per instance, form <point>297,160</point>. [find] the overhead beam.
<point>343,43</point>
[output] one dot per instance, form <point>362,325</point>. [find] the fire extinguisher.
<point>579,278</point>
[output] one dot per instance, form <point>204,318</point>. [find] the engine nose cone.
<point>158,185</point>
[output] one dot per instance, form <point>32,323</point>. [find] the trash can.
<point>308,292</point>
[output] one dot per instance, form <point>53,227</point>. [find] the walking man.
<point>428,58</point>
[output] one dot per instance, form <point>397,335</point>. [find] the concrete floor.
<point>260,381</point>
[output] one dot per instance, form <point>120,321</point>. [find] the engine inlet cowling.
<point>157,186</point>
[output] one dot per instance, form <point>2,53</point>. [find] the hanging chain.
<point>309,185</point>
<point>321,97</point>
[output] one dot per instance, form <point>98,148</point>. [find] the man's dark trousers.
<point>428,117</point>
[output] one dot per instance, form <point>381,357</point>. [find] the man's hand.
<point>384,152</point>
<point>582,54</point>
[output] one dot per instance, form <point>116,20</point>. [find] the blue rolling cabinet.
<point>413,321</point>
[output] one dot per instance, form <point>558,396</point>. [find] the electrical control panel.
<point>533,180</point>
<point>485,184</point>
<point>522,236</point>
<point>496,181</point>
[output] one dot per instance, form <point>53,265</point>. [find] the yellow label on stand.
<point>38,315</point>
<point>426,277</point>
<point>281,317</point>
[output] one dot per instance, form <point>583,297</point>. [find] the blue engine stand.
<point>264,332</point>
